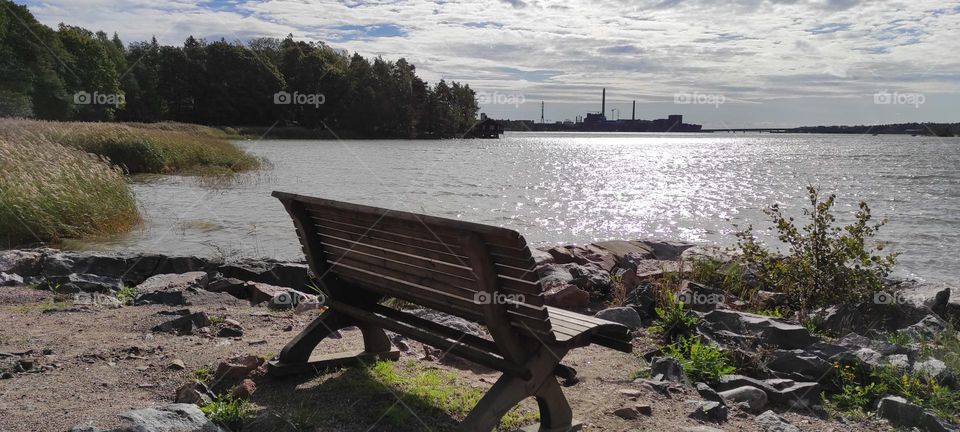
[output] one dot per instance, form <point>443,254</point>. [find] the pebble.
<point>177,364</point>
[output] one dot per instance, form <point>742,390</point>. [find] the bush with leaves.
<point>824,264</point>
<point>675,320</point>
<point>702,362</point>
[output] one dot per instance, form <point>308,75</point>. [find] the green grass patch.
<point>228,411</point>
<point>701,362</point>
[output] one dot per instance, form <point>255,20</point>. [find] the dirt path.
<point>94,364</point>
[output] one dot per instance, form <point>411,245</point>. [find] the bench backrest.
<point>479,272</point>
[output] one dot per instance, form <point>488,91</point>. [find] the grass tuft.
<point>49,192</point>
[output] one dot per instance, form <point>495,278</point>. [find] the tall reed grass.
<point>166,148</point>
<point>49,192</point>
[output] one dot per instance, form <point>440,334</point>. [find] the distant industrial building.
<point>598,122</point>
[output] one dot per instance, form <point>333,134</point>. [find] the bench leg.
<point>508,391</point>
<point>296,355</point>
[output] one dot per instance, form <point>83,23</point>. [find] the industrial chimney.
<point>634,115</point>
<point>603,106</point>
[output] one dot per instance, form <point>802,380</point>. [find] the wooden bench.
<point>361,255</point>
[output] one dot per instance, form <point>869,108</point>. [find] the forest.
<point>75,74</point>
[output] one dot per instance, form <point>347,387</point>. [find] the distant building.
<point>487,128</point>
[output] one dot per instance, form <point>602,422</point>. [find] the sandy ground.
<point>97,363</point>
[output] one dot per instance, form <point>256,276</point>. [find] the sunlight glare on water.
<point>575,188</point>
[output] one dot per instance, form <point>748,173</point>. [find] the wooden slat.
<point>431,298</point>
<point>338,246</point>
<point>451,252</point>
<point>421,226</point>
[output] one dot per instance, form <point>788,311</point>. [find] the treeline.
<point>74,74</point>
<point>932,129</point>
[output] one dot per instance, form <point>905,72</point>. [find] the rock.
<point>709,411</point>
<point>237,368</point>
<point>644,409</point>
<point>706,252</point>
<point>622,315</point>
<point>449,321</point>
<point>566,297</point>
<point>774,332</point>
<point>21,262</point>
<point>169,418</point>
<point>627,413</point>
<point>245,389</point>
<point>708,393</point>
<point>631,393</point>
<point>935,369</point>
<point>591,279</point>
<point>667,367</point>
<point>854,341</point>
<point>754,397</point>
<point>292,299</point>
<point>901,362</point>
<point>938,304</point>
<point>232,286</point>
<point>194,392</point>
<point>657,384</point>
<point>769,421</point>
<point>229,332</point>
<point>177,364</point>
<point>182,264</point>
<point>779,383</point>
<point>642,299</point>
<point>804,395</point>
<point>10,279</point>
<point>184,324</point>
<point>903,413</point>
<point>623,250</point>
<point>700,297</point>
<point>541,257</point>
<point>927,328</point>
<point>769,300</point>
<point>884,314</point>
<point>174,282</point>
<point>82,282</point>
<point>272,272</point>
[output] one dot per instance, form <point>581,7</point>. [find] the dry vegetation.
<point>65,180</point>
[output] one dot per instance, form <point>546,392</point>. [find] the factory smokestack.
<point>603,106</point>
<point>634,115</point>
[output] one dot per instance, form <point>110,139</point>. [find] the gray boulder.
<point>268,271</point>
<point>449,321</point>
<point>10,279</point>
<point>882,315</point>
<point>627,316</point>
<point>21,262</point>
<point>754,397</point>
<point>773,331</point>
<point>900,412</point>
<point>709,411</point>
<point>708,393</point>
<point>184,324</point>
<point>935,369</point>
<point>769,421</point>
<point>83,282</point>
<point>668,368</point>
<point>179,417</point>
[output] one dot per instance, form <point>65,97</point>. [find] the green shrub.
<point>125,295</point>
<point>701,362</point>
<point>824,264</point>
<point>675,320</point>
<point>49,192</point>
<point>228,411</point>
<point>860,391</point>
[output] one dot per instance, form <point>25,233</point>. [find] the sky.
<point>720,63</point>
